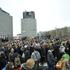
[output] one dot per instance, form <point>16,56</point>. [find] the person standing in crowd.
<point>67,49</point>
<point>23,57</point>
<point>43,54</point>
<point>11,55</point>
<point>27,53</point>
<point>36,56</point>
<point>61,50</point>
<point>17,64</point>
<point>2,60</point>
<point>45,48</point>
<point>68,65</point>
<point>50,60</point>
<point>56,52</point>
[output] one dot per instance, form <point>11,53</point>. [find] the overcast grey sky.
<point>50,14</point>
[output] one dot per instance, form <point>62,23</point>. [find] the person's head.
<point>17,62</point>
<point>50,51</point>
<point>2,54</point>
<point>9,66</point>
<point>12,50</point>
<point>30,63</point>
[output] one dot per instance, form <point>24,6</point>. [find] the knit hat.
<point>49,51</point>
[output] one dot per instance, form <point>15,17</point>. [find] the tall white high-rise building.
<point>6,25</point>
<point>28,24</point>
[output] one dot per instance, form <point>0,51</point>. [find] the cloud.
<point>49,13</point>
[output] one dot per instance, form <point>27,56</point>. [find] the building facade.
<point>28,24</point>
<point>6,25</point>
<point>62,33</point>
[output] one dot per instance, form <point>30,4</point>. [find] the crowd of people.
<point>34,54</point>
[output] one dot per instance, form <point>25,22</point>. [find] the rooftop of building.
<point>28,11</point>
<point>4,11</point>
<point>29,14</point>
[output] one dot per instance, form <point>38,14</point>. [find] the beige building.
<point>61,33</point>
<point>28,24</point>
